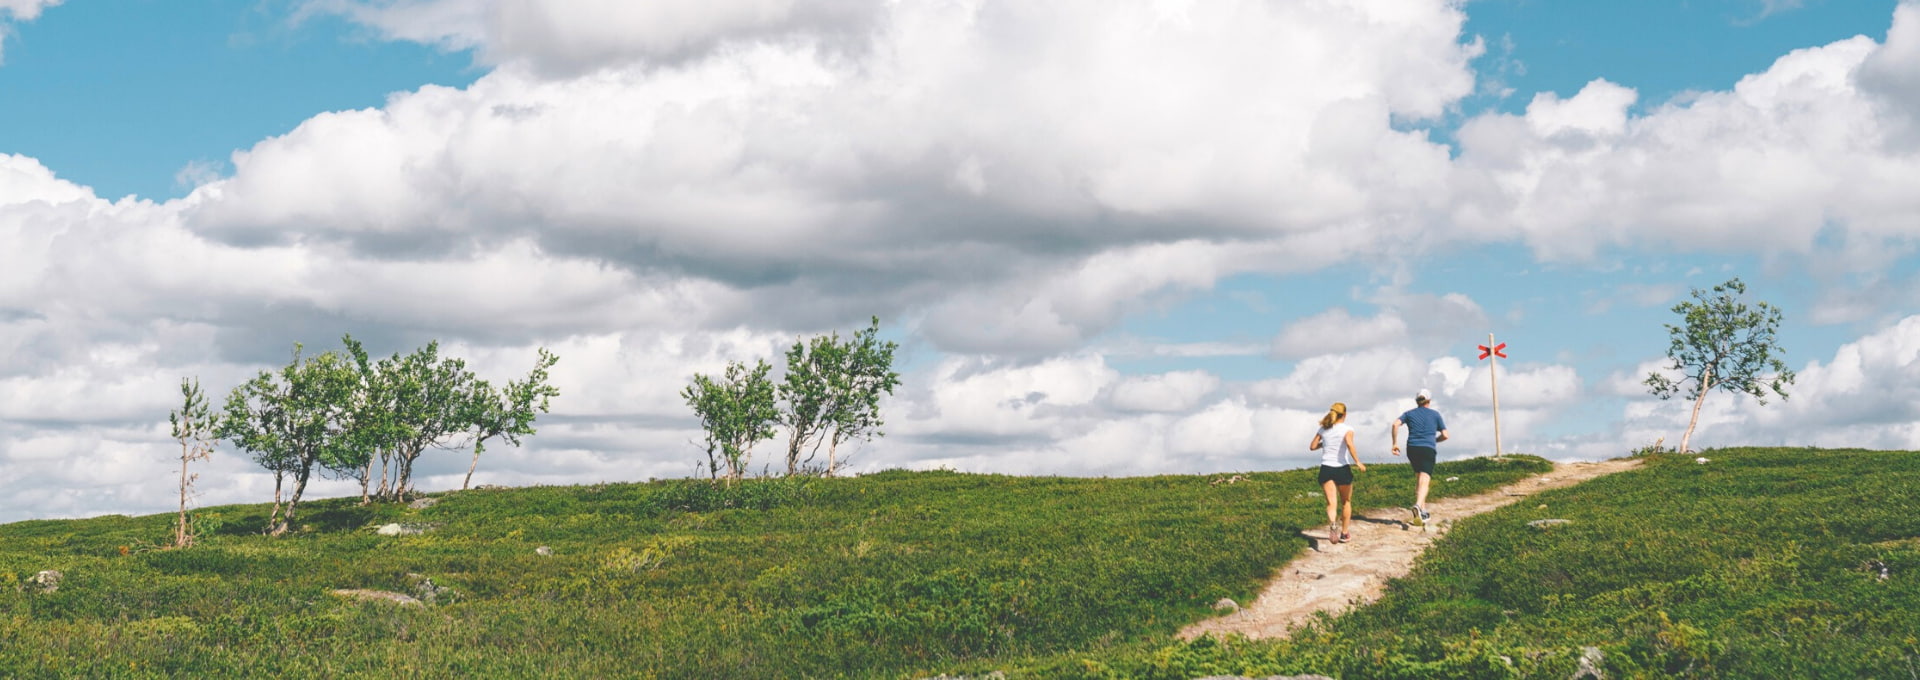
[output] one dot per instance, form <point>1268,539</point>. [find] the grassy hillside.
<point>887,575</point>
<point>1761,563</point>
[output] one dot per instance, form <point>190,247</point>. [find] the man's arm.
<point>1393,437</point>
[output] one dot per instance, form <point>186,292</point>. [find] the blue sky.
<point>1660,48</point>
<point>120,95</point>
<point>1114,237</point>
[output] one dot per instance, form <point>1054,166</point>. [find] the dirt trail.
<point>1332,577</point>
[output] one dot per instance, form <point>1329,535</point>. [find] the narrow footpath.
<point>1332,577</point>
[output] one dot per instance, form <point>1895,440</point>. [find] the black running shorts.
<point>1341,475</point>
<point>1422,458</point>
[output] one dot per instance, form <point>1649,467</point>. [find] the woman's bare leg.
<point>1332,492</point>
<point>1346,506</point>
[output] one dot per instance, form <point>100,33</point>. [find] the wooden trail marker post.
<point>1489,352</point>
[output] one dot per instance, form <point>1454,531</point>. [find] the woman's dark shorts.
<point>1422,458</point>
<point>1340,476</point>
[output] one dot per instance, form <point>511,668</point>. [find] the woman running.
<point>1334,441</point>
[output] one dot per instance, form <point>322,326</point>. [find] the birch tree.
<point>292,421</point>
<point>865,375</point>
<point>508,413</point>
<point>1722,343</point>
<point>430,407</point>
<point>193,426</point>
<point>811,394</point>
<point>737,411</point>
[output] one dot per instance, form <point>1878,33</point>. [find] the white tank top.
<point>1333,446</point>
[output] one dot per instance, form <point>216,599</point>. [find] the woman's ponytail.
<point>1334,414</point>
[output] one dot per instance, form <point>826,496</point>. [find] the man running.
<point>1425,430</point>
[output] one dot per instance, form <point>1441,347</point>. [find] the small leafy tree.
<point>812,394</point>
<point>866,372</point>
<point>193,426</point>
<point>373,431</point>
<point>431,405</point>
<point>293,421</point>
<point>831,393</point>
<point>1722,343</point>
<point>737,411</point>
<point>509,413</point>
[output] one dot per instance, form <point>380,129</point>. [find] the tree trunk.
<point>279,481</point>
<point>470,467</point>
<point>793,453</point>
<point>366,479</point>
<point>180,534</point>
<point>386,475</point>
<point>405,483</point>
<point>833,463</point>
<point>1706,385</point>
<point>299,487</point>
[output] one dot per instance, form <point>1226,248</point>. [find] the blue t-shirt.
<point>1423,426</point>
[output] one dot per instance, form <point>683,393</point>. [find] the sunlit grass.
<point>887,575</point>
<point>1760,563</point>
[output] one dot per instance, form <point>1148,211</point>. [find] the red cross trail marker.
<point>1493,380</point>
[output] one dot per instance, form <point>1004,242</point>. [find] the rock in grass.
<point>376,596</point>
<point>44,582</point>
<point>423,503</point>
<point>1591,660</point>
<point>543,551</point>
<point>424,589</point>
<point>1544,523</point>
<point>400,530</point>
<point>1270,677</point>
<point>1226,605</point>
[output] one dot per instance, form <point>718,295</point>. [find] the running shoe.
<point>1419,516</point>
<point>1345,537</point>
<point>1424,516</point>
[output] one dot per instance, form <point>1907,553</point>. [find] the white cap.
<point>1425,395</point>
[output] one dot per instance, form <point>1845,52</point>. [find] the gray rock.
<point>1591,660</point>
<point>376,596</point>
<point>1226,605</point>
<point>543,551</point>
<point>401,530</point>
<point>423,503</point>
<point>1544,523</point>
<point>424,589</point>
<point>44,582</point>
